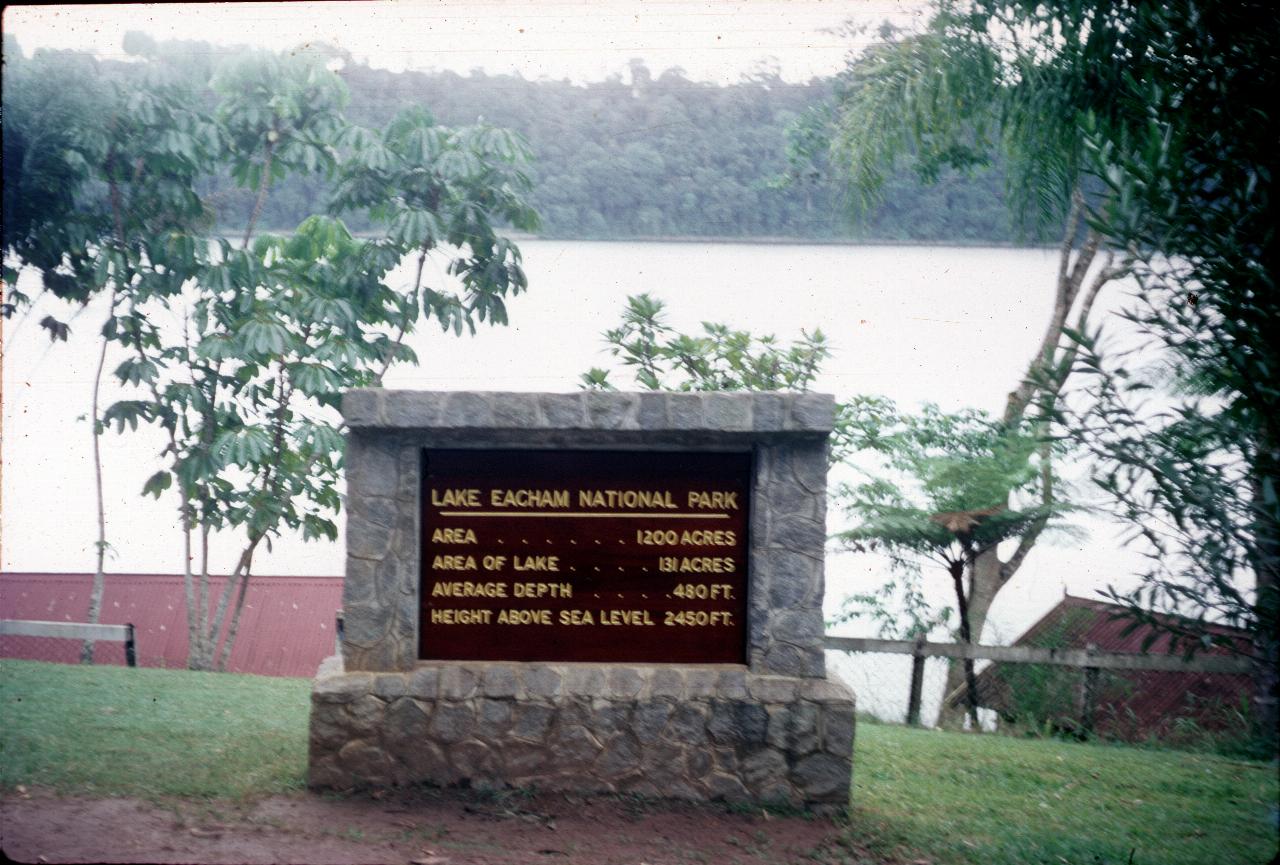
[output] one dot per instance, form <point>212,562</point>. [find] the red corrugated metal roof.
<point>1132,704</point>
<point>286,629</point>
<point>1081,621</point>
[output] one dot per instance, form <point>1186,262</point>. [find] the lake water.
<point>952,325</point>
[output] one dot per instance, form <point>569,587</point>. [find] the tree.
<point>46,221</point>
<point>945,98</point>
<point>269,329</point>
<point>660,358</point>
<point>1166,109</point>
<point>949,489</point>
<point>440,191</point>
<point>91,189</point>
<point>1179,118</point>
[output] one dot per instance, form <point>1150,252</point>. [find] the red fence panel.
<point>286,629</point>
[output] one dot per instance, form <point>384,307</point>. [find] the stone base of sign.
<point>773,730</point>
<point>670,731</point>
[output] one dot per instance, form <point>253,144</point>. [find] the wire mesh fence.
<point>1174,708</point>
<point>1191,707</point>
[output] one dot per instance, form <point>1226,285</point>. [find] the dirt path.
<point>426,827</point>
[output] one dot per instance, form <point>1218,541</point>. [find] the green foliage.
<point>898,607</point>
<point>668,157</point>
<point>270,330</point>
<point>280,113</point>
<point>281,327</point>
<point>1166,109</point>
<point>942,487</point>
<point>428,187</point>
<point>961,96</point>
<point>1043,699</point>
<point>98,176</point>
<point>1172,107</point>
<point>44,210</point>
<point>660,358</point>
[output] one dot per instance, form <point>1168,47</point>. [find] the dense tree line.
<point>663,155</point>
<point>646,155</point>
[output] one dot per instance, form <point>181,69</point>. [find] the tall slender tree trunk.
<point>188,579</point>
<point>982,592</point>
<point>264,185</point>
<point>966,636</point>
<point>201,652</point>
<point>234,628</point>
<point>99,575</point>
<point>244,567</point>
<point>1041,385</point>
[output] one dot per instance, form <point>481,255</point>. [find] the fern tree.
<point>945,490</point>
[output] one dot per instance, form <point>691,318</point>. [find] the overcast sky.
<point>713,40</point>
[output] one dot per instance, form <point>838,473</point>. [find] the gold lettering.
<point>460,617</point>
<point>500,498</point>
<point>625,617</point>
<point>469,590</point>
<point>453,563</point>
<point>713,500</point>
<point>576,617</point>
<point>696,564</point>
<point>697,618</point>
<point>706,565</point>
<point>704,591</point>
<point>524,617</point>
<point>708,538</point>
<point>449,498</point>
<point>453,536</point>
<point>540,590</point>
<point>536,563</point>
<point>637,499</point>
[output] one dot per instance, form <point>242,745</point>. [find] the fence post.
<point>917,683</point>
<point>130,650</point>
<point>1088,694</point>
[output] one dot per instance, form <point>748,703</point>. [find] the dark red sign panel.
<point>584,556</point>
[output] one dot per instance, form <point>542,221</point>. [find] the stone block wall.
<point>775,729</point>
<point>786,432</point>
<point>675,731</point>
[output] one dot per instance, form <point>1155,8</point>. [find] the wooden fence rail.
<point>74,631</point>
<point>1090,660</point>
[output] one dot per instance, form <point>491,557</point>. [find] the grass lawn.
<point>113,731</point>
<point>944,798</point>
<point>992,800</point>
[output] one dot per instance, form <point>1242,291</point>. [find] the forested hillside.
<point>642,155</point>
<point>665,156</point>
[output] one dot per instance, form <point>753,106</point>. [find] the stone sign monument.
<point>589,591</point>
